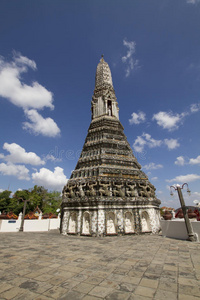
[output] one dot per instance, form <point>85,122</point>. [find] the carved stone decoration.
<point>80,192</point>
<point>91,189</point>
<point>118,189</point>
<point>131,189</point>
<point>107,192</point>
<point>104,189</point>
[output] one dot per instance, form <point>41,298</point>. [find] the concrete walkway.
<point>52,266</point>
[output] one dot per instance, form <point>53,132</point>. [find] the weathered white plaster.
<point>79,215</point>
<point>101,221</point>
<point>120,219</point>
<point>94,222</point>
<point>65,222</point>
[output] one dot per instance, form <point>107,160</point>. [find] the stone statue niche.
<point>72,227</point>
<point>129,224</point>
<point>145,222</point>
<point>86,224</point>
<point>110,223</point>
<point>109,108</point>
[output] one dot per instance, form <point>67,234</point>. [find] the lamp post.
<point>191,235</point>
<point>24,210</point>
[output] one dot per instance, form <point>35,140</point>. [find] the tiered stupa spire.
<point>107,192</point>
<point>104,99</point>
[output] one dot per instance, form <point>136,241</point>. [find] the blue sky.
<point>49,51</point>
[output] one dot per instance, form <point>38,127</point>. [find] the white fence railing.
<point>12,225</point>
<point>176,228</point>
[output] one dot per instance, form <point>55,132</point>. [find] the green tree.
<point>5,201</point>
<point>52,203</point>
<point>36,196</point>
<point>17,201</point>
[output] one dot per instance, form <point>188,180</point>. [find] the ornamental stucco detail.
<point>108,193</point>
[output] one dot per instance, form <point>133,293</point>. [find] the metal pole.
<point>22,222</point>
<point>191,236</point>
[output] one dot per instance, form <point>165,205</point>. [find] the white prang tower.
<point>107,193</point>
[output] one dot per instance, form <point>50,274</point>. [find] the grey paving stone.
<point>50,266</point>
<point>118,295</point>
<point>161,294</point>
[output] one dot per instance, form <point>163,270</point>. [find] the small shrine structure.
<point>108,193</point>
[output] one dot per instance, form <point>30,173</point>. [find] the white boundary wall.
<point>176,228</point>
<point>12,225</point>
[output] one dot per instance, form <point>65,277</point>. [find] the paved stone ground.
<point>52,266</point>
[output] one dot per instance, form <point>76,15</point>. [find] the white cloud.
<point>139,144</point>
<point>195,107</point>
<point>180,161</point>
<point>193,1</point>
<point>185,178</point>
<point>170,121</point>
<point>20,171</point>
<point>159,192</point>
<point>167,120</point>
<point>196,194</point>
<point>154,178</point>
<point>51,158</point>
<point>1,190</point>
<point>40,125</point>
<point>171,143</point>
<point>131,63</point>
<point>145,140</point>
<point>195,161</point>
<point>50,180</point>
<point>19,155</point>
<point>137,118</point>
<point>16,91</point>
<point>152,166</point>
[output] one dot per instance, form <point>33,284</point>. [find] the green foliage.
<point>36,196</point>
<point>4,200</point>
<point>52,203</point>
<point>161,212</point>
